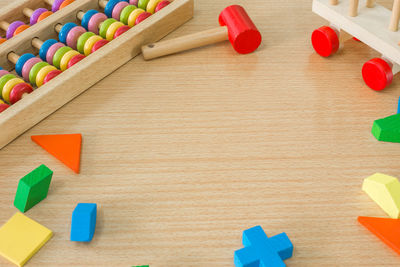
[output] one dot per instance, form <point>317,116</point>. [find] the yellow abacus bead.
<point>133,16</point>
<point>2,102</point>
<point>90,43</point>
<point>66,58</point>
<point>112,29</point>
<point>9,86</point>
<point>43,73</point>
<point>151,6</point>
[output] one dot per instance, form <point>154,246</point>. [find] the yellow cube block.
<point>385,191</point>
<point>21,237</point>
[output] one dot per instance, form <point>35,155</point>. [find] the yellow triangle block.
<point>385,191</point>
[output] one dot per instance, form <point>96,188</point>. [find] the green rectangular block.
<point>387,129</point>
<point>33,188</point>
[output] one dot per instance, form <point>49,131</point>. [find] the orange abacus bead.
<point>20,29</point>
<point>44,15</point>
<point>2,40</point>
<point>66,3</point>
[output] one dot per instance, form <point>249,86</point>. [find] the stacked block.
<point>260,251</point>
<point>83,222</point>
<point>387,129</point>
<point>33,188</point>
<point>385,191</point>
<point>21,237</point>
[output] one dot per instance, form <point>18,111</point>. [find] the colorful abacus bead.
<point>59,4</point>
<point>10,29</point>
<point>3,106</point>
<point>2,40</point>
<point>37,15</point>
<point>13,88</point>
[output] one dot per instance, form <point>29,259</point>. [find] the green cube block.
<point>387,129</point>
<point>33,188</point>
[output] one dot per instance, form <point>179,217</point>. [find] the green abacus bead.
<point>34,71</point>
<point>59,54</point>
<point>82,40</point>
<point>104,27</point>
<point>143,4</point>
<point>3,80</point>
<point>125,14</point>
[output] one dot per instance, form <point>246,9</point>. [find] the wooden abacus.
<point>51,96</point>
<point>368,22</point>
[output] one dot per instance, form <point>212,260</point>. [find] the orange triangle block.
<point>388,230</point>
<point>65,147</point>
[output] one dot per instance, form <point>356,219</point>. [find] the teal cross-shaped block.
<point>263,251</point>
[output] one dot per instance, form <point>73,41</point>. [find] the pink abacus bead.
<point>161,5</point>
<point>28,66</point>
<point>73,35</point>
<point>118,9</point>
<point>3,72</point>
<point>121,30</point>
<point>133,2</point>
<point>95,22</point>
<point>51,75</point>
<point>75,59</point>
<point>18,91</point>
<point>99,44</point>
<point>142,17</point>
<point>52,50</point>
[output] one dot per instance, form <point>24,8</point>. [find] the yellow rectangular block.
<point>21,237</point>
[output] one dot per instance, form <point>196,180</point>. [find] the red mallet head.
<point>243,34</point>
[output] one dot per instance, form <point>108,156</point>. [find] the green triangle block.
<point>387,129</point>
<point>33,188</point>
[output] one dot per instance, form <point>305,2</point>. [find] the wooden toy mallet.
<point>236,26</point>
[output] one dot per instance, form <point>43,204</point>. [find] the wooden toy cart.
<point>368,22</point>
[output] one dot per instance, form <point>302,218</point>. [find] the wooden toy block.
<point>65,147</point>
<point>369,22</point>
<point>83,223</point>
<point>21,237</point>
<point>34,107</point>
<point>385,191</point>
<point>388,230</point>
<point>387,129</point>
<point>260,250</point>
<point>236,26</point>
<point>33,188</point>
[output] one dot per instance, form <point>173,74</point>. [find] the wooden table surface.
<point>183,153</point>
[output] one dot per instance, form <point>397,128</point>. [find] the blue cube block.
<point>83,222</point>
<point>398,107</point>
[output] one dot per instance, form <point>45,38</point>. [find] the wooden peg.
<point>13,57</point>
<point>4,25</point>
<point>353,11</point>
<point>27,12</point>
<point>370,3</point>
<point>334,2</point>
<point>80,15</point>
<point>103,3</point>
<point>58,28</point>
<point>49,2</point>
<point>37,43</point>
<point>394,21</point>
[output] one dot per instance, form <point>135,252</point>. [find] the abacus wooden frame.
<point>43,101</point>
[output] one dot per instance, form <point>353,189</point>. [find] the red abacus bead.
<point>121,30</point>
<point>3,107</point>
<point>51,75</point>
<point>161,5</point>
<point>377,74</point>
<point>75,59</point>
<point>325,41</point>
<point>99,44</point>
<point>18,91</point>
<point>142,17</point>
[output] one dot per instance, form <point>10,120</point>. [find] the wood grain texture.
<point>185,152</point>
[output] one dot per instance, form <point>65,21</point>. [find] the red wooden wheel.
<point>377,74</point>
<point>325,41</point>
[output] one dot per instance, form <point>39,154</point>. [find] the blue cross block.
<point>398,107</point>
<point>83,222</point>
<point>262,251</point>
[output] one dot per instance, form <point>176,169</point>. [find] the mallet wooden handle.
<point>184,43</point>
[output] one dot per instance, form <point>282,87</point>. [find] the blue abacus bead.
<point>45,47</point>
<point>62,36</point>
<point>110,7</point>
<point>21,62</point>
<point>86,18</point>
